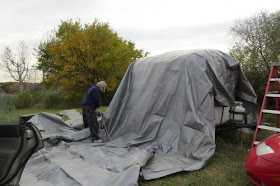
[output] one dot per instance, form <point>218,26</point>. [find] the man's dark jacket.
<point>92,98</point>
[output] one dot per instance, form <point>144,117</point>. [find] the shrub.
<point>107,98</point>
<point>14,88</point>
<point>36,97</point>
<point>73,102</point>
<point>22,100</point>
<point>52,100</point>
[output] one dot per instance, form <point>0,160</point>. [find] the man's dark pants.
<point>90,120</point>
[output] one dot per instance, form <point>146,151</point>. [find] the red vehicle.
<point>263,162</point>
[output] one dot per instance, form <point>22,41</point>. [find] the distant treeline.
<point>14,87</point>
<point>37,95</point>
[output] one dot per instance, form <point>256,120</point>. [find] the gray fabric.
<point>70,158</point>
<point>75,119</point>
<point>167,102</point>
<point>160,121</point>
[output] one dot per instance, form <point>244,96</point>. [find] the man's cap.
<point>103,84</point>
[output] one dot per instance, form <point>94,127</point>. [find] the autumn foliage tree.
<point>77,56</point>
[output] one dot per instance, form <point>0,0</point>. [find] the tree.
<point>17,65</point>
<point>77,56</point>
<point>257,46</point>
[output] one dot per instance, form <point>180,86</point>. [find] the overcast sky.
<point>157,26</point>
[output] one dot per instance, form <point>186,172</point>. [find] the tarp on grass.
<point>160,121</point>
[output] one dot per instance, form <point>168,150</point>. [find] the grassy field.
<point>226,167</point>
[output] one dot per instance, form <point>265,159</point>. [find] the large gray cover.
<point>160,121</point>
<point>167,102</point>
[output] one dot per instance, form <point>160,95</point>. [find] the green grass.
<point>9,116</point>
<point>226,167</point>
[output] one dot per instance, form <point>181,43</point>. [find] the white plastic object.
<point>221,115</point>
<point>237,112</point>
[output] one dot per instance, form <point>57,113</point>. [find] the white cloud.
<point>182,37</point>
<point>156,26</point>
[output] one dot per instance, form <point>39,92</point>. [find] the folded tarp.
<point>160,121</point>
<point>70,158</point>
<point>74,118</point>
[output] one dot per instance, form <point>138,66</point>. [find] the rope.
<point>121,145</point>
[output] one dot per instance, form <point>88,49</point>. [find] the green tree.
<point>77,56</point>
<point>256,46</point>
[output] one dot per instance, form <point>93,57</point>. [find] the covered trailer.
<point>168,102</point>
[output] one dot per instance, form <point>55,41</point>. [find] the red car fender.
<point>265,168</point>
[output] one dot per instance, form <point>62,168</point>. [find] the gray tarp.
<point>160,121</point>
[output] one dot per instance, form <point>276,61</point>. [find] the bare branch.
<point>16,65</point>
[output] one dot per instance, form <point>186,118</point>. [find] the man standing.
<point>90,104</point>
